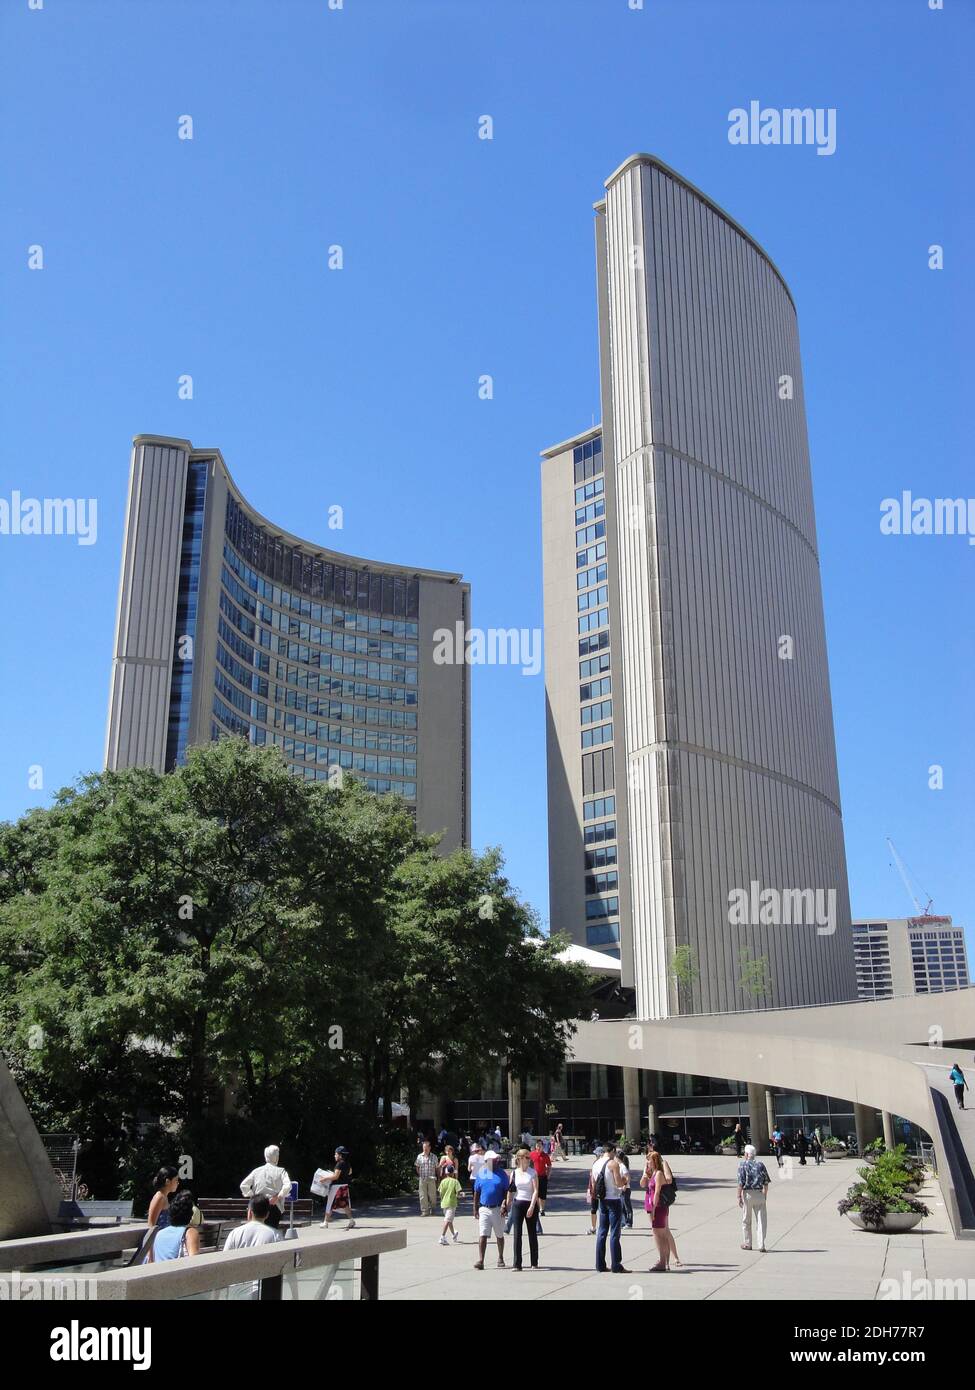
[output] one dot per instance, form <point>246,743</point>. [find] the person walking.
<point>270,1181</point>
<point>333,1185</point>
<point>491,1191</point>
<point>591,1197</point>
<point>450,1193</point>
<point>426,1165</point>
<point>778,1139</point>
<point>661,1188</point>
<point>753,1185</point>
<point>957,1078</point>
<point>801,1146</point>
<point>816,1144</point>
<point>179,1239</point>
<point>739,1140</point>
<point>607,1181</point>
<point>475,1162</point>
<point>626,1201</point>
<point>543,1166</point>
<point>524,1201</point>
<point>558,1145</point>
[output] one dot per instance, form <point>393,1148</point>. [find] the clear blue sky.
<point>462,257</point>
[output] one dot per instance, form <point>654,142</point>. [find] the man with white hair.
<point>270,1181</point>
<point>753,1184</point>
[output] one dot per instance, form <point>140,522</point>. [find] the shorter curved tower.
<point>229,625</point>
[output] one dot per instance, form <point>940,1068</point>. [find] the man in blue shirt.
<point>491,1193</point>
<point>753,1184</point>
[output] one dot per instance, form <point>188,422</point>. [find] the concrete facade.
<point>721,745</point>
<point>30,1194</point>
<point>228,624</point>
<point>908,955</point>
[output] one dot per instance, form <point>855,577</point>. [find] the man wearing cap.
<point>491,1195</point>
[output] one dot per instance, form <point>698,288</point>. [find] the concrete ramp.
<point>30,1194</point>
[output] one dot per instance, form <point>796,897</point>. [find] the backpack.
<point>599,1186</point>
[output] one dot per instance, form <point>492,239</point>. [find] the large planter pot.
<point>894,1222</point>
<point>837,1153</point>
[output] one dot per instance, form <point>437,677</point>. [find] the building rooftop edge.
<point>572,441</point>
<point>413,571</point>
<point>656,162</point>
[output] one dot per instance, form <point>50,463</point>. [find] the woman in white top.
<point>626,1203</point>
<point>524,1195</point>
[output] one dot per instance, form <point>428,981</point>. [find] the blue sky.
<point>358,127</point>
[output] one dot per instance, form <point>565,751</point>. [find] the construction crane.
<point>924,911</point>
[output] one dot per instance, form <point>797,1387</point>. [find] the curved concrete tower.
<point>711,755</point>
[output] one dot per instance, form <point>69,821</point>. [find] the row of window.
<point>251,707</point>
<point>592,598</point>
<point>311,574</point>
<point>604,830</point>
<point>359,762</point>
<point>597,643</point>
<point>590,621</point>
<point>324,660</point>
<point>591,512</point>
<point>380,785</point>
<point>606,934</point>
<point>596,809</point>
<point>588,490</point>
<point>602,907</point>
<point>590,555</point>
<point>594,666</point>
<point>590,738</point>
<point>587,460</point>
<point>351,738</point>
<point>341,709</point>
<point>602,883</point>
<point>590,713</point>
<point>600,858</point>
<point>243,675</point>
<point>340,640</point>
<point>586,534</point>
<point>592,689</point>
<point>586,578</point>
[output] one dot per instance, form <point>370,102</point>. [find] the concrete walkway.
<point>814,1253</point>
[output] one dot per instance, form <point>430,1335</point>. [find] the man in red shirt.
<point>542,1165</point>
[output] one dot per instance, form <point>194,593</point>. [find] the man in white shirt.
<point>270,1181</point>
<point>253,1231</point>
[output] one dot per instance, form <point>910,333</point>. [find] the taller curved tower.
<point>695,823</point>
<point>228,624</point>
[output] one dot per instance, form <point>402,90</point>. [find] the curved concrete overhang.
<point>891,1055</point>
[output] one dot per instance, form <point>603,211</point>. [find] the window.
<point>593,713</point>
<point>586,578</point>
<point>592,689</point>
<point>605,830</point>
<point>604,935</point>
<point>590,556</point>
<point>601,858</point>
<point>590,600</point>
<point>602,883</point>
<point>593,666</point>
<point>585,534</point>
<point>592,512</point>
<point>602,806</point>
<point>588,490</point>
<point>602,907</point>
<point>593,644</point>
<point>602,734</point>
<point>590,621</point>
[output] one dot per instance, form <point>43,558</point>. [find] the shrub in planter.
<point>885,1190</point>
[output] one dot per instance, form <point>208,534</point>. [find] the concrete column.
<point>889,1139</point>
<point>651,1091</point>
<point>514,1108</point>
<point>758,1117</point>
<point>770,1109</point>
<point>867,1125</point>
<point>631,1102</point>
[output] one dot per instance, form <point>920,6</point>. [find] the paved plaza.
<point>814,1253</point>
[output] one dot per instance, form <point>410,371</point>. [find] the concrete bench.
<point>96,1213</point>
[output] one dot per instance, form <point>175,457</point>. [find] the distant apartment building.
<point>908,955</point>
<point>228,624</point>
<point>691,753</point>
